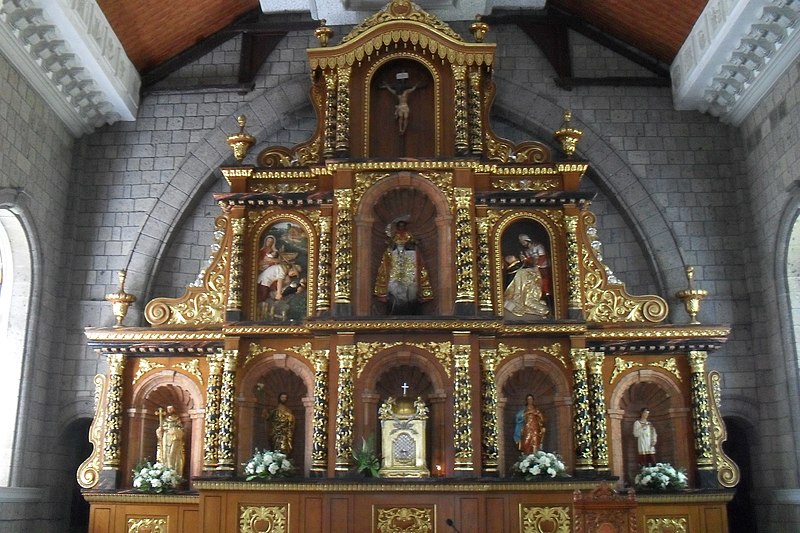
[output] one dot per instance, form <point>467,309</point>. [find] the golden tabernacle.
<point>406,252</point>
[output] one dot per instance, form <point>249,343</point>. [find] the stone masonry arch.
<point>265,116</point>
<point>540,116</point>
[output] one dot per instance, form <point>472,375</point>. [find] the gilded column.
<point>235,273</point>
<point>343,111</point>
<point>465,287</point>
<point>489,409</point>
<point>597,401</point>
<point>463,408</point>
<point>484,269</point>
<point>582,420</point>
<point>329,148</point>
<point>459,78</point>
<point>344,254</point>
<point>324,271</point>
<point>574,277</point>
<point>701,415</point>
<point>475,120</point>
<point>227,426</point>
<point>213,393</point>
<point>319,449</point>
<point>344,408</point>
<point>113,425</point>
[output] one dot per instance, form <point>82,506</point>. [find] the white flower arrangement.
<point>267,464</point>
<point>539,464</point>
<point>662,476</point>
<point>156,478</point>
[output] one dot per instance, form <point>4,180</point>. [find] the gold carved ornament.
<point>620,366</point>
<point>463,408</point>
<point>365,351</point>
<point>489,408</point>
<point>402,10</point>
<point>301,155</point>
<point>607,300</point>
<point>670,365</point>
<point>203,304</point>
<point>89,471</point>
<point>538,519</point>
<point>728,473</point>
<point>261,519</point>
<point>192,367</point>
<point>461,118</point>
<point>148,525</point>
<point>144,366</point>
<point>405,519</point>
<point>343,256</point>
<point>666,524</point>
<point>475,111</point>
<point>465,288</point>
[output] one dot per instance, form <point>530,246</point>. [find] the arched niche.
<point>384,375</point>
<point>538,374</point>
<point>402,94</point>
<point>668,413</point>
<point>155,391</point>
<point>405,194</point>
<point>264,380</point>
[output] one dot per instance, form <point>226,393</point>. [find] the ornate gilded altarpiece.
<point>407,249</point>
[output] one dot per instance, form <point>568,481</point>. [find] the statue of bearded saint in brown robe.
<point>281,426</point>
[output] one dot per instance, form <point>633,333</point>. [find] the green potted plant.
<point>367,462</point>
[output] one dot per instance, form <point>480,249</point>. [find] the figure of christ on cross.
<point>401,109</point>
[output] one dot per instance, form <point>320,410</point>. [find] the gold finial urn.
<point>479,29</point>
<point>241,142</point>
<point>692,297</point>
<point>323,33</point>
<point>567,135</point>
<point>120,300</point>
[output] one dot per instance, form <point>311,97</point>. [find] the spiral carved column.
<point>344,408</point>
<point>113,425</point>
<point>319,450</point>
<point>582,421</point>
<point>489,410</point>
<point>213,390</point>
<point>227,424</point>
<point>701,415</point>
<point>462,409</point>
<point>597,401</point>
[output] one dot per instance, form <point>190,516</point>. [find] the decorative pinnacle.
<point>120,300</point>
<point>567,135</point>
<point>241,142</point>
<point>479,29</point>
<point>691,297</point>
<point>323,33</point>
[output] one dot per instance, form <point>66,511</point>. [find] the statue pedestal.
<point>403,425</point>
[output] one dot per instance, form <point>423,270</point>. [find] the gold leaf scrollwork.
<point>145,366</point>
<point>666,524</point>
<point>405,519</point>
<point>89,471</point>
<point>728,473</point>
<point>402,10</point>
<point>537,519</point>
<point>283,187</point>
<point>272,519</point>
<point>254,350</point>
<point>525,184</point>
<point>202,305</point>
<point>670,365</point>
<point>555,351</point>
<point>148,525</point>
<point>620,366</point>
<point>193,368</point>
<point>606,300</point>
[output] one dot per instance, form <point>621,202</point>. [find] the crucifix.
<point>401,91</point>
<point>405,388</point>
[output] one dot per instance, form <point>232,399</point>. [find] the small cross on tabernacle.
<point>405,388</point>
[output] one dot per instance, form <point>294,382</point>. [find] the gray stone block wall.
<point>772,198</point>
<point>35,160</point>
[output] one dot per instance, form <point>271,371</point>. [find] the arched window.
<point>16,275</point>
<point>793,279</point>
